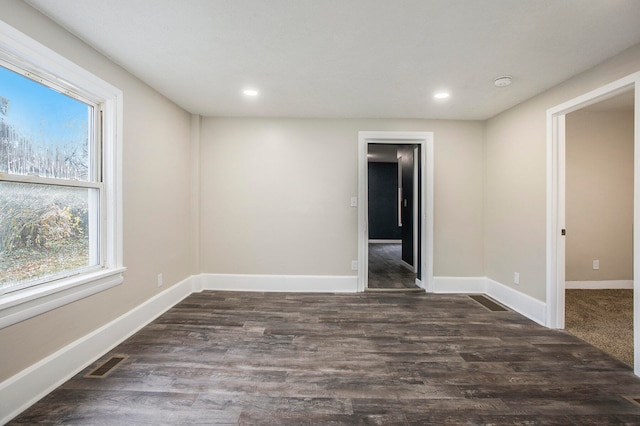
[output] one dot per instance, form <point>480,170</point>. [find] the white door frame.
<point>425,140</point>
<point>556,201</point>
<point>415,195</point>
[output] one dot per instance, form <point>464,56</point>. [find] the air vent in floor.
<point>488,303</point>
<point>103,370</point>
<point>635,400</point>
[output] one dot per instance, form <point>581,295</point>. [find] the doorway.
<point>393,211</point>
<point>423,221</point>
<point>556,201</point>
<point>599,221</point>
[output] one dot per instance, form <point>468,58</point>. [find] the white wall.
<point>599,195</point>
<point>276,192</point>
<point>156,202</point>
<point>515,178</point>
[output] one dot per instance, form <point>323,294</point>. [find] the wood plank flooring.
<point>386,270</point>
<point>369,358</point>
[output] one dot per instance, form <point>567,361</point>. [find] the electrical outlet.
<point>354,265</point>
<point>596,264</point>
<point>160,280</point>
<point>516,277</point>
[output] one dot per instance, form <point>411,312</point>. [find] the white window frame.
<point>28,54</point>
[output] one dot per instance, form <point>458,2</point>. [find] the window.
<point>51,182</point>
<point>60,210</point>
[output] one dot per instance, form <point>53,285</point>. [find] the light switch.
<point>354,201</point>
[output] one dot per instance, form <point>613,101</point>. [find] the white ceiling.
<point>351,58</point>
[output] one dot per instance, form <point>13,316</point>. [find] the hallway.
<point>386,270</point>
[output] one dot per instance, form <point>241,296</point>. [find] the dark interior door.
<point>383,202</point>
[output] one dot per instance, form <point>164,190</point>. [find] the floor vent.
<point>633,399</point>
<point>103,370</point>
<point>488,303</point>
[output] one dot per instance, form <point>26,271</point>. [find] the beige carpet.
<point>603,318</point>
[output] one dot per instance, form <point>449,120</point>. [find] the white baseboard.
<point>280,283</point>
<point>30,385</point>
<point>196,283</point>
<point>523,304</point>
<point>599,285</point>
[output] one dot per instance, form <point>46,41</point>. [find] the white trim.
<point>385,241</point>
<point>30,385</point>
<point>599,285</point>
<point>521,303</point>
<point>416,194</point>
<point>28,53</point>
<point>636,229</point>
<point>24,304</point>
<point>280,283</point>
<point>556,201</point>
<point>196,283</point>
<point>426,142</point>
<point>428,161</point>
<point>555,241</point>
<point>113,110</point>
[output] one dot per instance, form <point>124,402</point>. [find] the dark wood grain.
<point>406,358</point>
<point>386,270</point>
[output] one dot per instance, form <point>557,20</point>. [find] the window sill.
<point>24,304</point>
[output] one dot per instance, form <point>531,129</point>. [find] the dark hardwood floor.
<point>386,270</point>
<point>369,358</point>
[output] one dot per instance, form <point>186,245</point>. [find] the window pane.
<point>42,132</point>
<point>45,231</point>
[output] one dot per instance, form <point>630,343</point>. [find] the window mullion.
<point>6,177</point>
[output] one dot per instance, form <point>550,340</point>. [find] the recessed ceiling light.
<point>250,92</point>
<point>441,95</point>
<point>503,81</point>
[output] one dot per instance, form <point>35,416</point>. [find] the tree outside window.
<point>49,182</point>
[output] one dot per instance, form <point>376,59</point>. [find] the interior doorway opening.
<point>419,251</point>
<point>556,202</point>
<point>599,173</point>
<point>393,210</point>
